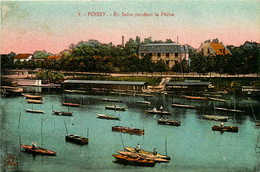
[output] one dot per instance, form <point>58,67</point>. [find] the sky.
<point>28,26</point>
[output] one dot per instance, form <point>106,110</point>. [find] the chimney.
<point>177,40</point>
<point>123,43</point>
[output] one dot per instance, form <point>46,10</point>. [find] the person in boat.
<point>34,145</point>
<point>221,125</point>
<point>137,149</point>
<point>161,108</point>
<point>154,109</point>
<point>155,151</point>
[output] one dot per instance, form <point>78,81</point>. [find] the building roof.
<point>97,82</point>
<point>54,57</point>
<point>163,48</point>
<point>188,83</point>
<point>219,48</point>
<point>22,56</point>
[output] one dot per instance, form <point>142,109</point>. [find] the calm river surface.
<point>193,146</point>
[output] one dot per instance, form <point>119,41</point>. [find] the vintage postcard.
<point>130,85</point>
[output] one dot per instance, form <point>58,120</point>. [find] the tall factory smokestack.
<point>123,42</point>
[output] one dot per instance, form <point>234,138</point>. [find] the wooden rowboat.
<point>71,104</point>
<point>217,99</point>
<point>169,122</point>
<point>224,128</point>
<point>34,101</point>
<point>128,130</point>
<point>195,98</point>
<point>41,151</point>
<point>228,110</point>
<point>183,106</point>
<point>215,118</point>
<point>115,108</point>
<point>28,96</point>
<point>144,102</point>
<point>109,117</point>
<point>34,111</point>
<point>135,161</point>
<point>76,139</point>
<point>60,113</point>
<point>111,100</point>
<point>147,153</point>
<point>154,111</point>
<point>143,156</point>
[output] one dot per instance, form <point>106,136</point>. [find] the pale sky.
<point>53,26</point>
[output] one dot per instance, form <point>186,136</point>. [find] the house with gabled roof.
<point>54,57</point>
<point>213,48</point>
<point>170,53</point>
<point>23,57</point>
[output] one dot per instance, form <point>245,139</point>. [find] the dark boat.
<point>136,161</point>
<point>71,104</point>
<point>41,151</point>
<point>34,111</point>
<point>76,139</point>
<point>215,118</point>
<point>111,100</point>
<point>224,128</point>
<point>116,108</point>
<point>128,130</point>
<point>158,112</point>
<point>28,96</point>
<point>183,106</point>
<point>147,153</point>
<point>103,116</point>
<point>144,102</point>
<point>60,113</point>
<point>229,110</point>
<point>195,98</point>
<point>34,101</point>
<point>143,156</point>
<point>169,122</point>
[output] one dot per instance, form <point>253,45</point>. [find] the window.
<point>167,55</point>
<point>142,54</point>
<point>167,62</point>
<point>176,54</point>
<point>208,51</point>
<point>159,54</point>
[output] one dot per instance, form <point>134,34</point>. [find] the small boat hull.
<point>225,128</point>
<point>34,111</point>
<point>71,104</point>
<point>195,98</point>
<point>28,96</point>
<point>41,151</point>
<point>147,153</point>
<point>128,130</point>
<point>157,112</point>
<point>169,122</point>
<point>108,117</point>
<point>229,110</point>
<point>135,161</point>
<point>215,118</point>
<point>144,102</point>
<point>115,108</point>
<point>34,101</point>
<point>60,113</point>
<point>76,139</point>
<point>183,106</point>
<point>111,100</point>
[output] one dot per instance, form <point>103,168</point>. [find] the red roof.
<point>54,57</point>
<point>22,56</point>
<point>219,49</point>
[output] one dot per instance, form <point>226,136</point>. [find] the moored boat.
<point>183,106</point>
<point>215,118</point>
<point>229,110</point>
<point>76,139</point>
<point>144,102</point>
<point>41,151</point>
<point>34,101</point>
<point>61,113</point>
<point>28,96</point>
<point>71,104</point>
<point>143,156</point>
<point>169,122</point>
<point>110,117</point>
<point>128,130</point>
<point>195,98</point>
<point>115,108</point>
<point>217,99</point>
<point>111,100</point>
<point>135,161</point>
<point>147,153</point>
<point>158,112</point>
<point>34,111</point>
<point>224,128</point>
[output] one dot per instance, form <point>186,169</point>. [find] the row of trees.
<point>94,56</point>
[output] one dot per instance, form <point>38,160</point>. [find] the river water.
<point>193,146</point>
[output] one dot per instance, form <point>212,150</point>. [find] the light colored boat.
<point>111,100</point>
<point>147,153</point>
<point>217,99</point>
<point>34,111</point>
<point>216,118</point>
<point>34,101</point>
<point>71,104</point>
<point>229,110</point>
<point>115,108</point>
<point>60,113</point>
<point>195,98</point>
<point>103,116</point>
<point>29,96</point>
<point>158,112</point>
<point>183,106</point>
<point>144,102</point>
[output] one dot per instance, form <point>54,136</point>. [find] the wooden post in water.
<point>66,127</point>
<point>166,146</point>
